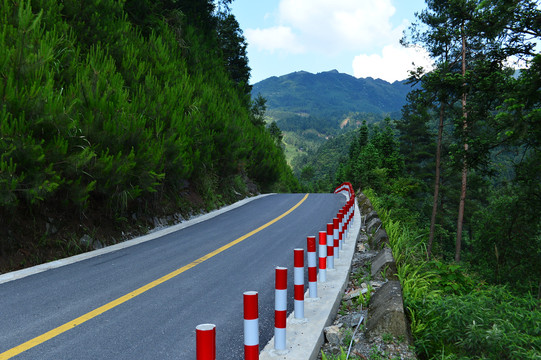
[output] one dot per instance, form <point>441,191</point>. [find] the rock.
<point>361,198</point>
<point>373,225</point>
<point>368,255</point>
<point>384,266</point>
<point>371,215</point>
<point>362,238</point>
<point>86,241</point>
<point>351,320</point>
<point>355,293</point>
<point>332,334</point>
<point>379,239</point>
<point>364,204</point>
<point>356,259</point>
<point>376,284</point>
<point>386,313</point>
<point>361,248</point>
<point>50,229</point>
<point>97,245</point>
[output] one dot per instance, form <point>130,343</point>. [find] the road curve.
<point>204,269</point>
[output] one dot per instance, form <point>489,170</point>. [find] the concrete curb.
<point>304,338</point>
<point>14,275</point>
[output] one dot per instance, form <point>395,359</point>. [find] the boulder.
<point>386,313</point>
<point>361,197</point>
<point>332,334</point>
<point>362,238</point>
<point>351,320</point>
<point>379,239</point>
<point>365,206</point>
<point>384,266</point>
<point>50,229</point>
<point>372,214</point>
<point>373,225</point>
<point>86,241</point>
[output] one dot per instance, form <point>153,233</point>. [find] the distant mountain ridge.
<point>331,93</point>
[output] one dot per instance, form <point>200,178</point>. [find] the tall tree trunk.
<point>436,184</point>
<point>465,159</point>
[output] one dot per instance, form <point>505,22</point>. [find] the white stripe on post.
<point>298,280</point>
<point>205,342</point>
<point>280,308</point>
<point>330,246</point>
<point>336,242</point>
<point>312,267</point>
<point>251,326</point>
<point>322,256</point>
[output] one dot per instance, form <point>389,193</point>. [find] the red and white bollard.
<point>346,221</point>
<point>330,246</point>
<point>351,211</point>
<point>336,240</point>
<point>322,256</point>
<point>205,342</point>
<point>251,325</point>
<point>312,266</point>
<point>340,228</point>
<point>346,217</point>
<point>280,309</point>
<point>298,281</point>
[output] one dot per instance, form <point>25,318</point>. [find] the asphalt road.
<point>159,322</point>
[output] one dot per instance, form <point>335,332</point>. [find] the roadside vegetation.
<point>455,312</point>
<point>457,182</point>
<point>115,111</point>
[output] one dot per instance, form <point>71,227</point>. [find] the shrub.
<point>489,323</point>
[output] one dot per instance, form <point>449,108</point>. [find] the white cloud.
<point>328,26</point>
<point>394,63</point>
<point>278,38</point>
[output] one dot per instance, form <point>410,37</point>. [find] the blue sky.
<point>356,37</point>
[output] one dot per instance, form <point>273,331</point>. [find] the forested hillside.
<point>330,94</point>
<point>112,112</point>
<point>311,108</point>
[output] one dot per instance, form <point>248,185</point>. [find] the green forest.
<point>113,112</point>
<point>457,181</point>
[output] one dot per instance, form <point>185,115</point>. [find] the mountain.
<point>331,94</point>
<point>311,109</point>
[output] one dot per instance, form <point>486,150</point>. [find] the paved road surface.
<point>159,322</point>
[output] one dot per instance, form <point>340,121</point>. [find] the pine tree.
<point>465,39</point>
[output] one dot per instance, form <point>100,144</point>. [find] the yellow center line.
<point>92,314</point>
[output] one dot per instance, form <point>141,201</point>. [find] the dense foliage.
<point>502,231</point>
<point>454,313</point>
<point>457,181</point>
<point>123,106</point>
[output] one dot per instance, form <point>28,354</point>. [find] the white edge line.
<point>19,274</point>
